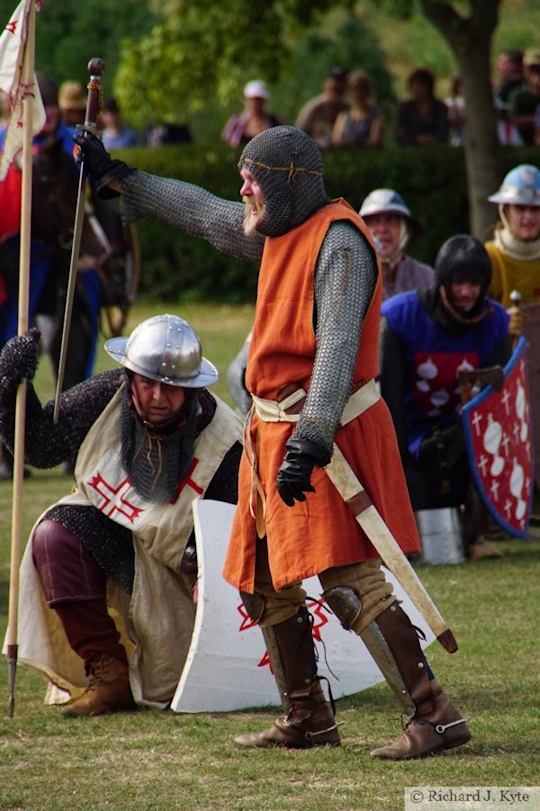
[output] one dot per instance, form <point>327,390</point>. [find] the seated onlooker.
<point>456,112</point>
<point>363,123</point>
<point>425,337</point>
<point>318,115</point>
<point>168,133</point>
<point>255,118</point>
<point>510,70</point>
<point>393,227</point>
<point>114,134</point>
<point>523,102</point>
<point>507,132</point>
<point>422,119</point>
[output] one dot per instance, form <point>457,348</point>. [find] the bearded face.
<point>253,213</point>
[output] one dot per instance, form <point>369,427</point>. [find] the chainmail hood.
<point>288,166</point>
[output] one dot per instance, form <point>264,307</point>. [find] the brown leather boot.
<point>435,723</point>
<point>442,728</point>
<point>108,689</point>
<point>309,723</point>
<point>309,719</point>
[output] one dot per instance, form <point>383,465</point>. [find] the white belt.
<point>272,411</point>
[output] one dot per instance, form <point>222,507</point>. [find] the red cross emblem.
<point>320,619</point>
<point>115,498</point>
<point>187,481</point>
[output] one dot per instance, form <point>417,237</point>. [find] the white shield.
<point>227,667</point>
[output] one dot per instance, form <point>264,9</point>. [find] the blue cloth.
<point>433,355</point>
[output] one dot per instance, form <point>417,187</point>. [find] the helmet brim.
<point>207,373</point>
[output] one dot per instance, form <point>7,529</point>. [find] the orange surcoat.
<point>319,533</point>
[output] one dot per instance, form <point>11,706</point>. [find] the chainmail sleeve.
<point>192,210</point>
<point>345,279</point>
<point>48,444</point>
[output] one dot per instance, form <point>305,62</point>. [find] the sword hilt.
<point>96,67</point>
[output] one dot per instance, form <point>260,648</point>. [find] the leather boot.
<point>310,719</point>
<point>436,724</point>
<point>442,728</point>
<point>108,689</point>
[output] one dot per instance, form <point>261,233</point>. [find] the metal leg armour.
<point>309,718</point>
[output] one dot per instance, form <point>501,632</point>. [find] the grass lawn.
<point>162,761</point>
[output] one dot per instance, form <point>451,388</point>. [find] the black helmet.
<point>463,258</point>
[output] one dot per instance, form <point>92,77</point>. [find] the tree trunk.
<point>470,39</point>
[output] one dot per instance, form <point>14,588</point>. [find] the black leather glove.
<point>101,167</point>
<point>19,360</point>
<point>294,475</point>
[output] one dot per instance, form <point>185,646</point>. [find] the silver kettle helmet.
<point>164,348</point>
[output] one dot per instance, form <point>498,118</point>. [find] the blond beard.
<point>251,220</point>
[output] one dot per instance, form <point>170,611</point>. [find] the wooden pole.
<point>20,409</point>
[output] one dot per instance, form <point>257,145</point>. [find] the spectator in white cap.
<point>255,118</point>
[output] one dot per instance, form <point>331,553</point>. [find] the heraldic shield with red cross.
<point>499,445</point>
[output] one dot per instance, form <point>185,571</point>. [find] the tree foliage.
<point>69,34</point>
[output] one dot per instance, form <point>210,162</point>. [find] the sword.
<point>346,483</point>
<point>93,106</point>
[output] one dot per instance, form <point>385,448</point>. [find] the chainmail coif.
<point>288,166</point>
<point>157,459</point>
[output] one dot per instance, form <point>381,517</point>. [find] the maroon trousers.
<point>75,587</point>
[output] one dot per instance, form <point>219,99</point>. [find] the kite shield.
<point>498,436</point>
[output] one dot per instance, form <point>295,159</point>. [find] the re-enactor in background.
<point>148,439</point>
<point>311,369</point>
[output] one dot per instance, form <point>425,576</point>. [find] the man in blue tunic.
<point>425,337</point>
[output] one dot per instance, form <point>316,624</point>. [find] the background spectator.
<point>114,134</point>
<point>239,129</point>
<point>510,70</point>
<point>456,112</point>
<point>318,115</point>
<point>523,102</point>
<point>72,102</point>
<point>507,132</point>
<point>168,133</point>
<point>363,123</point>
<point>422,119</point>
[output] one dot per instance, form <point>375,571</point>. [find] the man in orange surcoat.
<point>311,373</point>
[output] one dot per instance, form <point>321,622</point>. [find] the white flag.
<point>13,53</point>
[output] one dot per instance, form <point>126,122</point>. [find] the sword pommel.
<point>448,641</point>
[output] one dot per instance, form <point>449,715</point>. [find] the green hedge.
<point>174,266</point>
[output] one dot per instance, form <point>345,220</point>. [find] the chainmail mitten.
<point>47,443</point>
<point>345,278</point>
<point>18,360</point>
<point>103,170</point>
<point>193,211</point>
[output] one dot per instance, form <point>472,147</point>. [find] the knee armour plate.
<point>346,604</point>
<point>254,605</point>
